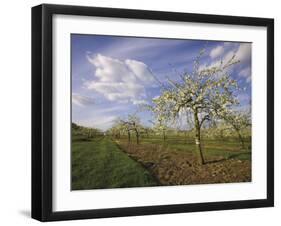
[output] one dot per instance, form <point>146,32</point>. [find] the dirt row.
<point>180,168</point>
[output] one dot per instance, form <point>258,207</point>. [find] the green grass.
<point>219,148</point>
<point>99,163</point>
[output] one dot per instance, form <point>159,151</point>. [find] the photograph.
<point>152,111</point>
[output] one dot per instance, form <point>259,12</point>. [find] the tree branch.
<point>206,117</point>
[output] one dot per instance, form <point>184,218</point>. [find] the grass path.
<point>99,163</point>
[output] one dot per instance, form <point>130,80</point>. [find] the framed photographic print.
<point>145,112</point>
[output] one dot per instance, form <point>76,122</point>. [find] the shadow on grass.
<point>246,153</point>
<point>233,156</point>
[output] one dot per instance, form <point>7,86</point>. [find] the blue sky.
<point>112,75</point>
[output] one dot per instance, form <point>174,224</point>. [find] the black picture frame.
<point>42,111</point>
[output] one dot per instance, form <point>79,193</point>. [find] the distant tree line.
<point>85,132</point>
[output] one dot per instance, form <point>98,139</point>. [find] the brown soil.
<point>171,167</point>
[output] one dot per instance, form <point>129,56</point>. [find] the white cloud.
<point>156,97</point>
<point>118,91</point>
<point>216,63</point>
<point>228,56</point>
<point>241,52</point>
<point>246,73</point>
<point>82,100</point>
<point>100,122</point>
<point>136,102</point>
<point>244,52</point>
<point>138,47</point>
<point>97,116</point>
<point>110,69</point>
<point>216,52</point>
<point>141,71</point>
<point>243,97</point>
<point>227,44</point>
<point>122,81</point>
<point>104,122</point>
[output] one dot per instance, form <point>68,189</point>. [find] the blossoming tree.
<point>205,93</point>
<point>131,123</point>
<point>239,120</point>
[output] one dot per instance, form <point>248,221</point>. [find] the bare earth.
<point>180,168</point>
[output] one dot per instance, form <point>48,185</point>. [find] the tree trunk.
<point>221,135</point>
<point>164,135</point>
<point>198,138</point>
<point>240,138</point>
<point>137,135</point>
<point>129,136</point>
